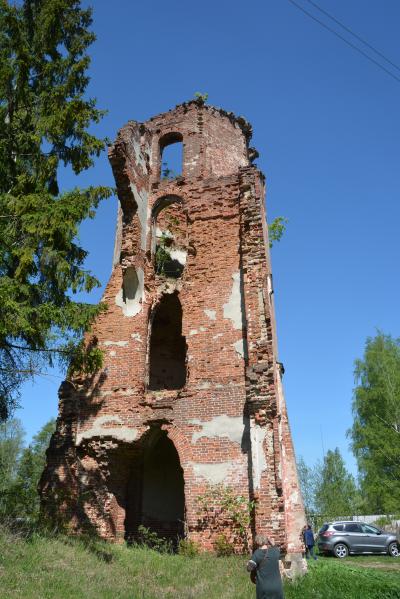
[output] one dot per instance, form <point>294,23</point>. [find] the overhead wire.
<point>346,41</point>
<point>358,37</point>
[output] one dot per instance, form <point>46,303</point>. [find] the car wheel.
<point>340,550</point>
<point>394,550</point>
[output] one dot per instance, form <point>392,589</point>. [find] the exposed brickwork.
<point>226,417</point>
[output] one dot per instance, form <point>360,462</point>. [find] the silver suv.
<point>342,538</point>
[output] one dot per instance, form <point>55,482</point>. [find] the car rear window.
<point>339,526</point>
<point>323,528</point>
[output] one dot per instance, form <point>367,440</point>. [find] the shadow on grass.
<point>30,531</point>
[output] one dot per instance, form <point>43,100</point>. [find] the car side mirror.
<point>379,532</point>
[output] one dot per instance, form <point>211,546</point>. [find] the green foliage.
<point>328,490</point>
<point>388,521</point>
<point>375,433</point>
<point>222,510</point>
<point>151,540</point>
<point>309,477</point>
<point>44,124</point>
<point>162,254</point>
<point>335,491</point>
<point>222,546</point>
<point>328,579</point>
<point>201,98</point>
<point>188,548</point>
<point>19,496</point>
<point>276,229</point>
<point>85,358</point>
<point>30,469</point>
<point>11,447</point>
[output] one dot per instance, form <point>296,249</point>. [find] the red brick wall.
<point>228,423</point>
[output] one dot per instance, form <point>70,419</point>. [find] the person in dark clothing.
<point>265,563</point>
<point>309,540</point>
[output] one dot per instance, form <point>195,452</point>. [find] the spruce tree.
<point>336,492</point>
<point>45,119</point>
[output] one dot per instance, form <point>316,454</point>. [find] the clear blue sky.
<point>326,123</point>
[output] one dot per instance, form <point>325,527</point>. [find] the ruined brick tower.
<point>190,394</point>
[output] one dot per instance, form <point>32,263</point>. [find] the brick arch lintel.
<point>179,440</point>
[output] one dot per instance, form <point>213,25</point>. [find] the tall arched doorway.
<point>156,497</point>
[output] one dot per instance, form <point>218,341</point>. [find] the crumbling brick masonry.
<point>190,394</point>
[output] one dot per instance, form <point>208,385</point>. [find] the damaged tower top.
<point>190,394</point>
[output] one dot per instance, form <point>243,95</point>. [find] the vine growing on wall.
<point>228,514</point>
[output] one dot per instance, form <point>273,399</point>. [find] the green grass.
<point>63,568</point>
<point>377,562</point>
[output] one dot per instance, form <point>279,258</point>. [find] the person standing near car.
<point>309,542</point>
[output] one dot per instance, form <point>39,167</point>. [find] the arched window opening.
<point>171,151</point>
<point>170,239</point>
<point>167,346</point>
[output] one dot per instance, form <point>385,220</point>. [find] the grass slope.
<point>65,568</point>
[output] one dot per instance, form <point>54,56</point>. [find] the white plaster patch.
<point>233,307</point>
<point>217,335</point>
<point>202,329</point>
<point>169,287</point>
<point>166,233</point>
<point>213,473</point>
<point>118,238</point>
<point>98,429</point>
<point>259,464</point>
<point>193,332</point>
<point>136,336</point>
<point>212,314</point>
<point>239,347</point>
<point>193,161</point>
<point>117,343</point>
<point>139,155</point>
<point>270,288</point>
<point>113,353</point>
<point>231,427</point>
<point>204,385</point>
<point>178,255</point>
<point>133,305</point>
<point>127,391</point>
<point>141,199</point>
